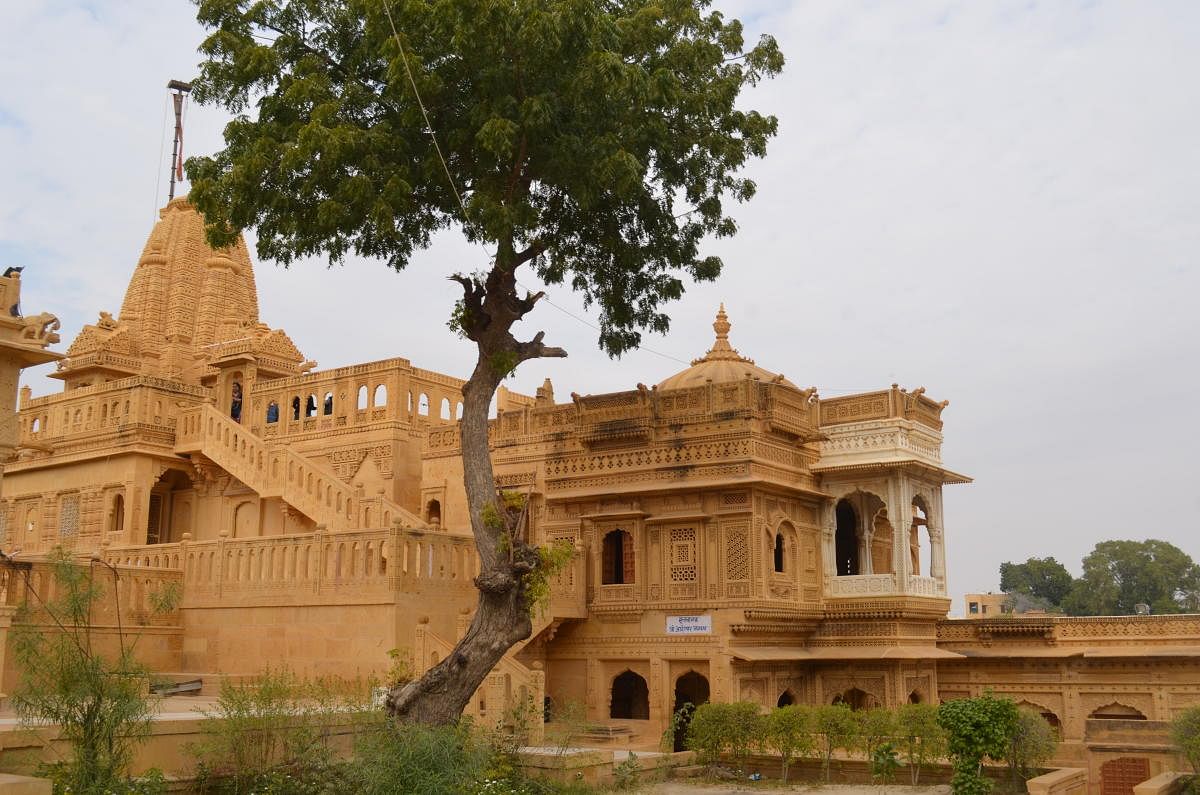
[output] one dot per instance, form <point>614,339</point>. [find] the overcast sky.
<point>996,201</point>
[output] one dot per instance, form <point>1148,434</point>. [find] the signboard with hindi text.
<point>689,625</point>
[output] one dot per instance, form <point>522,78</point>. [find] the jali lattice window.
<point>68,516</point>
<point>683,555</point>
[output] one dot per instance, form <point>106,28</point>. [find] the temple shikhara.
<point>737,537</point>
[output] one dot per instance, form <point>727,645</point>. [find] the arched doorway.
<point>786,699</point>
<point>169,512</point>
<point>691,688</point>
<point>855,699</point>
<point>846,540</point>
<point>630,697</point>
<point>245,520</point>
<point>915,697</point>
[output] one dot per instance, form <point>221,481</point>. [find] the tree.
<point>920,738</point>
<point>838,729</point>
<point>788,731</point>
<point>720,728</point>
<point>976,728</point>
<point>1033,742</point>
<point>875,728</point>
<point>98,701</point>
<point>1119,575</point>
<point>595,144</point>
<point>1044,578</point>
<point>1185,733</point>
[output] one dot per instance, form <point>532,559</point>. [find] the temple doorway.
<point>691,688</point>
<point>630,697</point>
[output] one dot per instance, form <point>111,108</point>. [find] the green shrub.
<point>921,739</point>
<point>716,729</point>
<point>976,728</point>
<point>838,728</point>
<point>271,734</point>
<point>393,758</point>
<point>99,702</point>
<point>788,731</point>
<point>1031,745</point>
<point>1185,733</point>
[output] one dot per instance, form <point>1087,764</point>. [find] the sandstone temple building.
<point>737,537</point>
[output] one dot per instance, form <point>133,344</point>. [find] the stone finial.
<point>721,349</point>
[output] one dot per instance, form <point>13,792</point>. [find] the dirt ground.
<point>688,788</point>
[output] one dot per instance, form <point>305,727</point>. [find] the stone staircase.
<point>274,470</point>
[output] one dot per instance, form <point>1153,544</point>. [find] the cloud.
<point>997,201</point>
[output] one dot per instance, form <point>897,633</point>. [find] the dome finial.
<point>721,326</point>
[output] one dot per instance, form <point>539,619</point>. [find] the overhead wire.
<point>162,140</point>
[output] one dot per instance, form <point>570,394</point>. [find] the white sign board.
<point>689,625</point>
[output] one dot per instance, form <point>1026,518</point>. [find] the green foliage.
<point>400,672</point>
<point>1032,744</point>
<point>838,729</point>
<point>1118,575</point>
<point>626,772</point>
<point>717,729</point>
<point>788,731</point>
<point>884,763</point>
<point>678,722</point>
<point>599,142</point>
<point>490,515</point>
<point>921,739</point>
<point>1044,578</point>
<point>392,758</point>
<point>504,363</point>
<point>273,731</point>
<point>98,699</point>
<point>875,728</point>
<point>976,728</point>
<point>167,598</point>
<point>567,722</point>
<point>552,559</point>
<point>1185,733</point>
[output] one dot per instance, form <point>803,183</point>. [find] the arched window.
<point>779,552</point>
<point>458,411</point>
<point>327,404</point>
<point>617,559</point>
<point>846,539</point>
<point>920,542</point>
<point>380,396</point>
<point>296,408</point>
<point>235,401</point>
<point>786,699</point>
<point>433,512</point>
<point>118,515</point>
<point>630,698</point>
<point>37,425</point>
<point>272,412</point>
<point>445,412</point>
<point>1116,711</point>
<point>310,406</point>
<point>362,398</point>
<point>423,405</point>
<point>410,402</point>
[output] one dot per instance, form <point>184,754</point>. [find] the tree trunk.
<point>502,617</point>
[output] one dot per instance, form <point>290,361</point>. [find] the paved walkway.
<point>688,788</point>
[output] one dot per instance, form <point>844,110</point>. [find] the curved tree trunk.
<point>502,617</point>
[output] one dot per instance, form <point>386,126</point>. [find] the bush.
<point>838,728</point>
<point>976,728</point>
<point>920,738</point>
<point>271,734</point>
<point>1185,733</point>
<point>443,760</point>
<point>716,729</point>
<point>788,731</point>
<point>1033,742</point>
<point>99,702</point>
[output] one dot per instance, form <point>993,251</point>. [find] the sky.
<point>998,201</point>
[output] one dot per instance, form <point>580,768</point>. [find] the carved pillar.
<point>865,539</point>
<point>900,516</point>
<point>828,554</point>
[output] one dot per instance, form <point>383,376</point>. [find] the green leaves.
<point>976,728</point>
<point>609,132</point>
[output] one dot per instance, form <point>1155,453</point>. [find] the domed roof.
<point>721,364</point>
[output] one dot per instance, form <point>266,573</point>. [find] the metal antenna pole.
<point>180,88</point>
